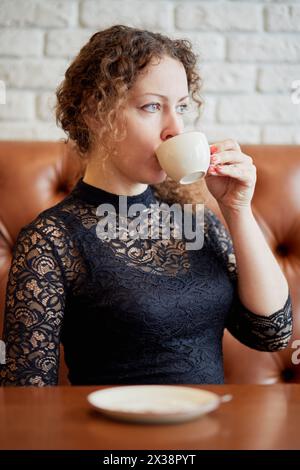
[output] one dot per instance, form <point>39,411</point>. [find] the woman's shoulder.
<point>48,226</point>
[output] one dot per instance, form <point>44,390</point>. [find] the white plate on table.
<point>154,403</point>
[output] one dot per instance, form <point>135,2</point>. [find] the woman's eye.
<point>183,108</point>
<point>151,106</point>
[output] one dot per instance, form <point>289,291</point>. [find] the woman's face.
<point>153,113</point>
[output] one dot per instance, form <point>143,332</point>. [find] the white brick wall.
<point>138,13</point>
<point>249,55</point>
<point>208,16</point>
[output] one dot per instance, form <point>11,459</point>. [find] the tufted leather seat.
<point>36,175</point>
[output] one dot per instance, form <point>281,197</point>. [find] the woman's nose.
<point>173,126</point>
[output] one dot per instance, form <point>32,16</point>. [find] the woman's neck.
<point>111,180</point>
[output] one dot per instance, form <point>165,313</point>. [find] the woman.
<point>132,310</point>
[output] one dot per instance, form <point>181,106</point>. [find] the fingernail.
<point>219,167</point>
<point>213,149</point>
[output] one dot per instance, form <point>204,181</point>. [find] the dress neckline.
<point>94,195</point>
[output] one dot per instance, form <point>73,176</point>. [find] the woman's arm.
<point>35,299</point>
<point>231,180</point>
<point>262,286</point>
<point>268,331</point>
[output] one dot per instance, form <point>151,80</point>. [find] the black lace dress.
<point>127,311</point>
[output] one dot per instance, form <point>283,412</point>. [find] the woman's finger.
<point>230,156</point>
<point>244,173</point>
<point>228,144</point>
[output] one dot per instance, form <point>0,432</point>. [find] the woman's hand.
<point>231,176</point>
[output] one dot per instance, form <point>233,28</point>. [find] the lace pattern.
<point>34,312</point>
<point>155,254</point>
<point>267,333</point>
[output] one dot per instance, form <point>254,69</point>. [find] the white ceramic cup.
<point>186,157</point>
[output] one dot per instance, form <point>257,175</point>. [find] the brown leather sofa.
<point>36,175</point>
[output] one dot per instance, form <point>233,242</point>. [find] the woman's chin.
<point>154,175</point>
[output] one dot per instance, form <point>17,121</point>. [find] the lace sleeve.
<point>35,298</point>
<point>264,333</point>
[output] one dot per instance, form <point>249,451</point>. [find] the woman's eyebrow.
<point>164,97</point>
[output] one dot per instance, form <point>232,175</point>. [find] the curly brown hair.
<point>97,81</point>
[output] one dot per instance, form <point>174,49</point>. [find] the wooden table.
<point>258,417</point>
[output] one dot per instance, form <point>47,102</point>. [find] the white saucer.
<point>154,403</point>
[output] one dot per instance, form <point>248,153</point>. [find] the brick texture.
<point>248,57</point>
